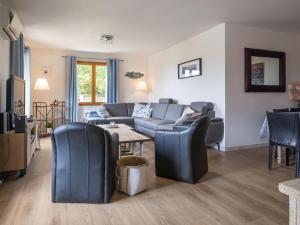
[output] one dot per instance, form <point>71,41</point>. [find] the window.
<point>91,82</point>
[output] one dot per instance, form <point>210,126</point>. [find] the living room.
<point>126,72</point>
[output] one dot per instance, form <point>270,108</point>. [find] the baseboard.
<point>262,145</point>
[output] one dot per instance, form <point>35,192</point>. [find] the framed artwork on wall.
<point>190,68</point>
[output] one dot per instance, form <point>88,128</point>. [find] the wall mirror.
<point>264,71</point>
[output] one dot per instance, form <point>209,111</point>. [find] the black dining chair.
<point>281,110</point>
<point>294,109</point>
<point>284,131</point>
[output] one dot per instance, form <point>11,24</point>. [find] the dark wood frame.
<point>200,67</point>
<point>93,64</point>
<point>264,88</point>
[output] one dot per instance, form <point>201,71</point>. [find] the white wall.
<point>4,72</point>
<point>245,112</point>
<point>53,58</point>
<point>210,46</point>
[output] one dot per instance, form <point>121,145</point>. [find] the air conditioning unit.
<point>10,25</point>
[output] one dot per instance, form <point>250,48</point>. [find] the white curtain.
<point>27,75</point>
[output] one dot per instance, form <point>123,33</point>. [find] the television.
<point>15,102</point>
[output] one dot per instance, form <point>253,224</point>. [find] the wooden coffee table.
<point>127,135</point>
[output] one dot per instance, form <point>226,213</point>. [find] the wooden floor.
<point>237,190</point>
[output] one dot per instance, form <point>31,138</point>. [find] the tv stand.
<point>17,149</point>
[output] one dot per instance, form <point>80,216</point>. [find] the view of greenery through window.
<point>89,76</point>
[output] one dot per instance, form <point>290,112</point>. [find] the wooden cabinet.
<point>17,149</point>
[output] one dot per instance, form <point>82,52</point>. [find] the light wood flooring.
<point>237,190</point>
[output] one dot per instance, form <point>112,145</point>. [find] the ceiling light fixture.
<point>107,39</point>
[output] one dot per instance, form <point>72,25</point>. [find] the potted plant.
<point>49,128</point>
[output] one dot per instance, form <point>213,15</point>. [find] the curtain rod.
<point>121,60</point>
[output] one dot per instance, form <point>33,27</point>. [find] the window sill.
<point>90,103</point>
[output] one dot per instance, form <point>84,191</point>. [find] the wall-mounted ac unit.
<point>10,25</point>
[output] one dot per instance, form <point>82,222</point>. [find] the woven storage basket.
<point>131,174</point>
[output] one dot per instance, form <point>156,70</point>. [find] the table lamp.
<point>41,84</point>
<point>142,86</point>
<point>294,91</point>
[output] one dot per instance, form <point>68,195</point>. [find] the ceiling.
<point>143,26</point>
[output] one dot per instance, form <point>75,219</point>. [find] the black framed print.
<point>190,68</point>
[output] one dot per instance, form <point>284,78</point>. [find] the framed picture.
<point>191,68</point>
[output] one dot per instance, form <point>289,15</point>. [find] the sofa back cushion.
<point>159,110</point>
<point>174,111</point>
<point>117,109</point>
<point>130,107</point>
<point>202,107</point>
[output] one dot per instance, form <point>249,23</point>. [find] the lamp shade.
<point>41,84</point>
<point>294,91</point>
<point>142,86</point>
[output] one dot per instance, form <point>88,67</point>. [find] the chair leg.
<point>287,156</point>
<point>270,157</point>
<point>297,163</point>
<point>218,144</point>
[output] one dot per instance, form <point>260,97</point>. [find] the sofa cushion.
<point>130,107</point>
<point>117,109</point>
<point>159,110</point>
<point>154,124</point>
<point>121,119</point>
<point>174,111</point>
<point>202,107</point>
<point>141,121</point>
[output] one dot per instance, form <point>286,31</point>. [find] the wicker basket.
<point>131,174</point>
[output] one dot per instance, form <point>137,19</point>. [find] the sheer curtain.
<point>71,89</point>
<point>27,75</point>
<point>112,88</point>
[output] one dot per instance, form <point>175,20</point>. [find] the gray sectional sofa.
<point>163,117</point>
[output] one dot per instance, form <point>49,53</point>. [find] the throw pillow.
<point>187,119</point>
<point>188,110</point>
<point>91,114</point>
<point>142,111</point>
<point>102,112</point>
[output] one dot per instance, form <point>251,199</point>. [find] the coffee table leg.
<point>133,148</point>
<point>120,151</point>
<point>141,149</point>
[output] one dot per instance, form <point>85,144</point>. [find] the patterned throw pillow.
<point>91,114</point>
<point>102,112</point>
<point>142,111</point>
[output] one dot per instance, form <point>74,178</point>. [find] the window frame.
<point>93,64</point>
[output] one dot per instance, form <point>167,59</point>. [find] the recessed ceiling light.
<point>107,38</point>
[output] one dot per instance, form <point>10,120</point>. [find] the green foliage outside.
<point>84,83</point>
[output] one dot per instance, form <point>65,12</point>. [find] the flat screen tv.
<point>15,102</point>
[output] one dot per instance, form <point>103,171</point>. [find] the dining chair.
<point>284,132</point>
<point>281,110</point>
<point>294,109</point>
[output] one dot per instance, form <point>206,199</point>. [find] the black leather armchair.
<point>83,164</point>
<point>181,154</point>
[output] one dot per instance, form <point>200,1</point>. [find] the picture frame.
<point>192,68</point>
